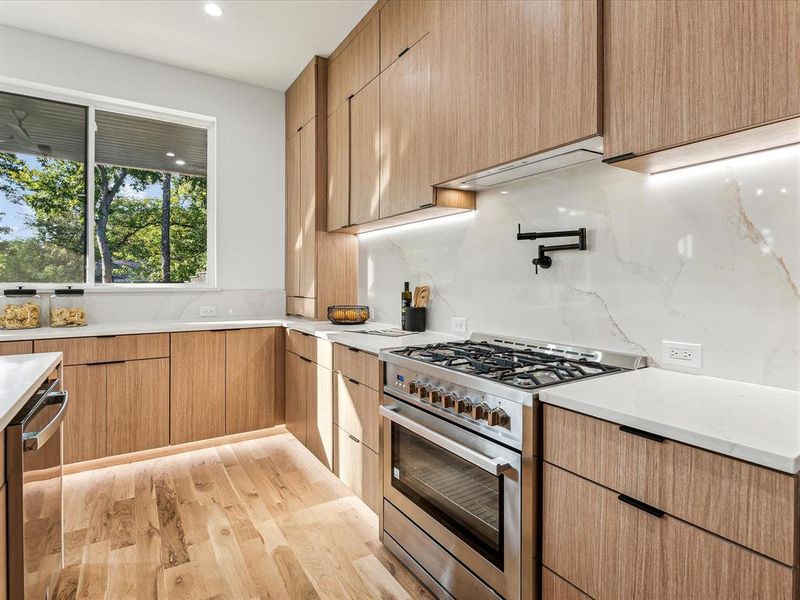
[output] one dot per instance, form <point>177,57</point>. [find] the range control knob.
<point>463,405</point>
<point>480,411</point>
<point>448,400</point>
<point>435,396</point>
<point>498,417</point>
<point>423,392</point>
<point>413,387</point>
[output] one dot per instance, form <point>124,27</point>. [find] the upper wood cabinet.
<point>303,100</point>
<point>197,386</point>
<point>339,168</point>
<point>309,192</point>
<point>365,147</point>
<point>511,79</point>
<point>405,132</point>
<point>403,24</point>
<point>682,72</point>
<point>355,65</point>
<point>294,234</point>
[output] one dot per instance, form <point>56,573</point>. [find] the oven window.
<point>464,498</point>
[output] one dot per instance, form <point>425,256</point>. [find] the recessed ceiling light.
<point>213,9</point>
<point>504,192</point>
<point>180,162</point>
<point>464,185</point>
<point>171,154</point>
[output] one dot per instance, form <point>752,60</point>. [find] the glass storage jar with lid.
<point>22,309</point>
<point>68,308</point>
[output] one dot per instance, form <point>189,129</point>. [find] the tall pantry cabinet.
<point>321,267</point>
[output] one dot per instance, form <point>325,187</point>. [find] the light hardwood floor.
<point>256,519</point>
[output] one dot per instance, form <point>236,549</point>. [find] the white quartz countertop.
<point>19,377</point>
<point>755,423</point>
<point>344,334</point>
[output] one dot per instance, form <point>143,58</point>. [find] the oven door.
<point>458,487</point>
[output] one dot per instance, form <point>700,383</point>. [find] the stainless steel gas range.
<point>460,452</point>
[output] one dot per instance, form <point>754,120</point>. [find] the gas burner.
<point>527,368</point>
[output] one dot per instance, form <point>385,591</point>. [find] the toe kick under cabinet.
<point>627,514</point>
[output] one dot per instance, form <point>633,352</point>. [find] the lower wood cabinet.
<point>356,411</point>
<point>309,406</point>
<point>85,423</point>
<point>3,543</point>
<point>296,396</point>
<point>137,405</point>
<point>610,548</point>
<point>197,386</point>
<point>251,387</point>
<point>359,468</point>
<point>11,348</point>
<point>555,588</point>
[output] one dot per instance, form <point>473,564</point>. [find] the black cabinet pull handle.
<point>656,512</point>
<point>351,96</point>
<point>109,362</point>
<point>403,52</point>
<point>645,434</point>
<point>619,157</point>
<point>428,205</point>
<point>351,380</point>
<point>104,337</point>
<point>355,439</point>
<point>356,350</point>
<point>305,359</point>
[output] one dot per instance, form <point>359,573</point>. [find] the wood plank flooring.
<point>256,519</point>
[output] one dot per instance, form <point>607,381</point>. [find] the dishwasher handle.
<point>36,439</point>
<point>495,466</point>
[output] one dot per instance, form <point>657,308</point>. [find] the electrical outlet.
<point>681,353</point>
<point>208,311</point>
<point>458,324</point>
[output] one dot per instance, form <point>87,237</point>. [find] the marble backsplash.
<point>161,305</point>
<point>709,255</point>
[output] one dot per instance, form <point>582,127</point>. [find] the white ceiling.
<point>262,42</point>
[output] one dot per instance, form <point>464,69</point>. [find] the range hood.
<point>587,150</point>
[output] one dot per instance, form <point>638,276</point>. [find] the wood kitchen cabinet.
<point>85,423</point>
<point>339,168</point>
<point>680,74</point>
<point>137,405</point>
<point>296,396</point>
<point>511,79</point>
<point>197,386</point>
<point>11,348</point>
<point>403,24</point>
<point>321,268</point>
<point>359,469</point>
<point>253,361</point>
<point>354,63</point>
<point>638,555</point>
<point>302,102</point>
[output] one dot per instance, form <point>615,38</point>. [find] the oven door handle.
<point>36,439</point>
<point>495,466</point>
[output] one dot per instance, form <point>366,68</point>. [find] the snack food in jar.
<point>22,309</point>
<point>68,308</point>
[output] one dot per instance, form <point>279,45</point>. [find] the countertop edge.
<point>10,413</point>
<point>786,464</point>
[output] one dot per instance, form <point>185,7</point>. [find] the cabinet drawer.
<point>356,410</point>
<point>555,588</point>
<point>356,364</point>
<point>85,351</point>
<point>303,307</point>
<point>311,347</point>
<point>752,506</point>
<point>358,467</point>
<point>10,348</point>
<point>637,555</point>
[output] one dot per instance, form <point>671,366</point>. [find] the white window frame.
<point>93,103</point>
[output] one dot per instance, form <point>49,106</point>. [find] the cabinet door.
<point>197,386</point>
<point>339,168</point>
<point>511,79</point>
<point>296,396</point>
<point>85,423</point>
<point>356,410</point>
<point>138,405</point>
<point>640,556</point>
<point>10,348</point>
<point>319,411</point>
<point>3,543</point>
<point>301,99</point>
<point>678,71</point>
<point>365,154</point>
<point>406,133</point>
<point>250,378</point>
<point>358,468</point>
<point>294,240</point>
<point>403,24</point>
<point>308,205</point>
<point>355,66</point>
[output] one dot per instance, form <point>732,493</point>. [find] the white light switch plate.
<point>208,311</point>
<point>458,324</point>
<point>682,353</point>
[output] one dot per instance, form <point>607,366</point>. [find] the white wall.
<point>250,163</point>
<point>708,255</point>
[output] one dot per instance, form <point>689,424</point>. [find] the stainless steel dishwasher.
<point>34,472</point>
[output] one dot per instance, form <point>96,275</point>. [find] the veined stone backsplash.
<point>165,305</point>
<point>708,255</point>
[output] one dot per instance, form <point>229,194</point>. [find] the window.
<point>147,177</point>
